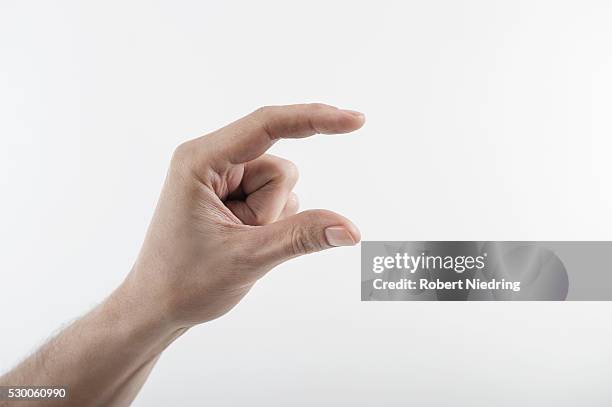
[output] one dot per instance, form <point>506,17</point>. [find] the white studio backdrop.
<point>487,120</point>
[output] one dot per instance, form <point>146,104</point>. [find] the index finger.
<point>249,137</point>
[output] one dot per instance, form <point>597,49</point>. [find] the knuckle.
<point>291,170</point>
<point>288,170</point>
<point>263,111</point>
<point>261,117</point>
<point>293,203</point>
<point>261,218</point>
<point>182,153</point>
<point>304,241</point>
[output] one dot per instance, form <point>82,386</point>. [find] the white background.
<point>486,120</point>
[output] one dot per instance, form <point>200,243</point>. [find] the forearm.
<point>127,392</point>
<point>103,358</point>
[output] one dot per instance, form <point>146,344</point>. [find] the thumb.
<point>307,232</point>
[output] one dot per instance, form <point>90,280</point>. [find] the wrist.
<point>140,315</point>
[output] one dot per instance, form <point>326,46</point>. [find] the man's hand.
<point>226,215</point>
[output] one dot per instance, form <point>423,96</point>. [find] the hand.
<point>227,215</point>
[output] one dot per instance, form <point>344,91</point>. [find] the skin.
<point>226,216</point>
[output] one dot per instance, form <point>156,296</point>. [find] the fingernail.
<point>339,236</point>
<point>354,113</point>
